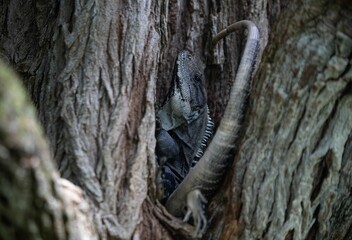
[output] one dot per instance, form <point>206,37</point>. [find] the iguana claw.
<point>195,202</point>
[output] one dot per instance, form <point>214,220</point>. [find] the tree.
<point>96,71</point>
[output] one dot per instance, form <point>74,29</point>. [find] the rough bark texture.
<point>34,202</point>
<point>97,70</point>
<point>90,68</point>
<point>291,175</point>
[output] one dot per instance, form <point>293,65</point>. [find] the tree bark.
<point>90,69</point>
<point>290,178</point>
<point>35,202</point>
<point>97,71</point>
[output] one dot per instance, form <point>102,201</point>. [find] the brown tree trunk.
<point>97,70</point>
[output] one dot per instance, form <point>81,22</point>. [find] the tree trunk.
<point>98,70</point>
<point>34,202</point>
<point>291,176</point>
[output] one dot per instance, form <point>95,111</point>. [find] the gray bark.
<point>97,71</point>
<point>90,67</point>
<point>34,202</point>
<point>291,174</point>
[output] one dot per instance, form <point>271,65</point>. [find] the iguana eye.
<point>197,77</point>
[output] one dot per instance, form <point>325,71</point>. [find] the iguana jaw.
<point>186,100</point>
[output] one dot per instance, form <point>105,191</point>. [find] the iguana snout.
<point>187,97</point>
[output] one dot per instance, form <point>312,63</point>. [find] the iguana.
<point>186,125</point>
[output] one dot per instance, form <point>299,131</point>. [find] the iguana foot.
<point>167,151</point>
<point>195,203</point>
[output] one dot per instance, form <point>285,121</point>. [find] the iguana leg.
<point>166,147</point>
<point>170,182</point>
<point>195,207</point>
<point>167,151</point>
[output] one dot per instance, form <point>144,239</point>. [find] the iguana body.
<point>205,176</point>
<point>185,122</point>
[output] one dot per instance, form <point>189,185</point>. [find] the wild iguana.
<point>186,125</point>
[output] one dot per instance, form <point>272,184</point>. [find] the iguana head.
<point>186,100</point>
